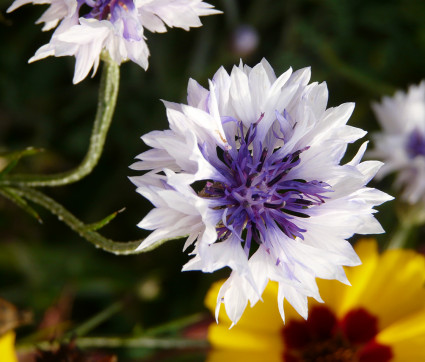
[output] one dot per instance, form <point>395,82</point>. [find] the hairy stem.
<point>108,93</point>
<point>123,342</point>
<point>85,231</point>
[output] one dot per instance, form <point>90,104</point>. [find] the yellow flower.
<point>381,317</point>
<point>7,347</point>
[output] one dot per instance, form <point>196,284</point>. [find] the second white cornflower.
<point>401,143</point>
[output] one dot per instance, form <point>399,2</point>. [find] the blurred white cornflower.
<point>401,144</point>
<point>249,171</point>
<point>87,27</point>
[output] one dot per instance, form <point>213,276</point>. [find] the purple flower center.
<point>415,145</point>
<point>258,193</point>
<point>116,11</point>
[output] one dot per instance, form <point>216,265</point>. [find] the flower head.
<point>249,169</point>
<point>88,27</point>
<point>401,144</point>
<point>371,321</point>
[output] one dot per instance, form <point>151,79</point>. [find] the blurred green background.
<point>363,49</point>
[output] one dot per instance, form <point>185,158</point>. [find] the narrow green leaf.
<point>100,224</point>
<point>15,157</point>
<point>86,327</point>
<point>9,167</point>
<point>175,325</point>
<point>29,151</point>
<point>10,194</point>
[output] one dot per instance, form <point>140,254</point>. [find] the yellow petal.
<point>236,355</point>
<point>332,293</point>
<point>7,347</point>
<point>406,337</point>
<point>244,339</point>
<point>349,297</point>
<point>390,287</point>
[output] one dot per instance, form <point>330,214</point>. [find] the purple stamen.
<point>115,10</point>
<point>415,144</point>
<point>258,194</point>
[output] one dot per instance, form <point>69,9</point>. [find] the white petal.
<point>241,97</point>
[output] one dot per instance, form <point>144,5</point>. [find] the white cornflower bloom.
<point>401,144</point>
<point>87,27</point>
<point>250,171</point>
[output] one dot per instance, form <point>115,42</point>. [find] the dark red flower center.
<point>324,338</point>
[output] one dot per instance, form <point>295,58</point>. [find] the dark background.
<point>363,49</point>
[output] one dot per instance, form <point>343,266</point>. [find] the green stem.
<point>145,342</point>
<point>401,236</point>
<point>108,93</point>
<point>85,231</point>
<point>175,324</point>
<point>96,320</point>
<point>122,342</point>
<point>352,74</point>
<point>410,218</point>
